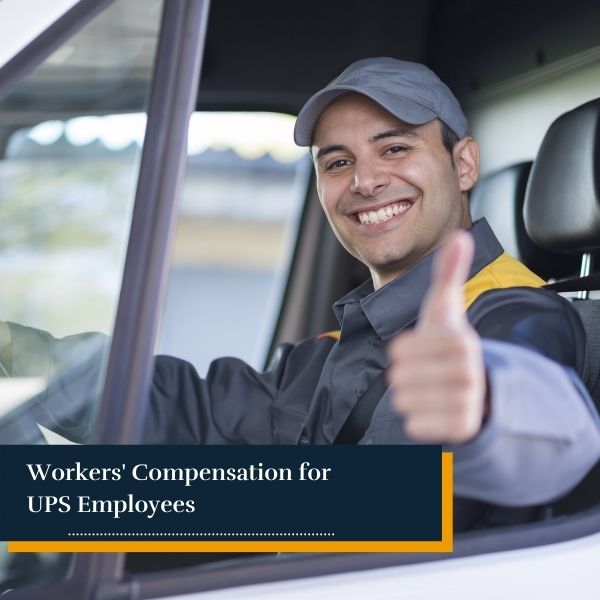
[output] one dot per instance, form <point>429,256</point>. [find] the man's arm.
<point>542,434</point>
<point>524,427</point>
<point>233,404</point>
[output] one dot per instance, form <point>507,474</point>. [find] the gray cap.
<point>410,91</point>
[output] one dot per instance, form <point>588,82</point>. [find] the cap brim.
<point>406,110</point>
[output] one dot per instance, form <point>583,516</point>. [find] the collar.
<point>396,305</point>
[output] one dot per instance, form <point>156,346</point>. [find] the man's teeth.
<point>383,214</point>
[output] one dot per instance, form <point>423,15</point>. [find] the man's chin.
<point>384,271</point>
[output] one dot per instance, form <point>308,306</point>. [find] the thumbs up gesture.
<point>436,373</point>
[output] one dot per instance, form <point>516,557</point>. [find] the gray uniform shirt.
<point>541,437</point>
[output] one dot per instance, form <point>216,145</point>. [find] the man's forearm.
<point>541,437</point>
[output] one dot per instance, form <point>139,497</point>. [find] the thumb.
<point>444,302</point>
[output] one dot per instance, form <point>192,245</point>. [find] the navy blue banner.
<point>319,493</point>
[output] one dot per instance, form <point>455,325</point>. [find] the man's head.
<point>394,162</point>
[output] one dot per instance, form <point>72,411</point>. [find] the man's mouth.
<point>385,213</point>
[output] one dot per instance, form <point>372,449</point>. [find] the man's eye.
<point>396,149</point>
<point>337,164</point>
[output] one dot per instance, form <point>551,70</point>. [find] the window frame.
<point>483,543</point>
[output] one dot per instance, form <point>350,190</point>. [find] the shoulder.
<point>520,301</point>
<point>502,273</point>
<point>534,318</point>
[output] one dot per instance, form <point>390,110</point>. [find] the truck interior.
<point>250,220</point>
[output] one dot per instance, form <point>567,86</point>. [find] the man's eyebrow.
<point>329,149</point>
<point>396,132</point>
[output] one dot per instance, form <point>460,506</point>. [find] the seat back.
<point>562,213</point>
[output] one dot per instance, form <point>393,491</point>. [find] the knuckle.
<point>469,407</point>
<point>465,377</point>
<point>465,427</point>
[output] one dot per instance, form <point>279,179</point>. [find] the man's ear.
<point>466,160</point>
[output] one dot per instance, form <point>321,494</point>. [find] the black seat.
<point>499,197</point>
<point>562,206</point>
<point>562,213</point>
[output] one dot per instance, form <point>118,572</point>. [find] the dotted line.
<point>191,534</point>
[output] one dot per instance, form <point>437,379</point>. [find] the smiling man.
<point>498,383</point>
<point>395,163</point>
<point>393,193</point>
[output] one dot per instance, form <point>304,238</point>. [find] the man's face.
<point>390,190</point>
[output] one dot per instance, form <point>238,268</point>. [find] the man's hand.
<point>437,373</point>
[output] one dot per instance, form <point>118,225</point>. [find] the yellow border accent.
<point>443,545</point>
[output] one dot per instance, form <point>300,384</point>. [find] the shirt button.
<point>369,441</point>
<point>304,441</point>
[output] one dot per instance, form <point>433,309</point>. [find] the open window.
<point>242,198</point>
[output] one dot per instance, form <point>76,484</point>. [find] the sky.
<point>251,135</point>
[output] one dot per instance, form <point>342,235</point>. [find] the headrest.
<point>562,204</point>
<point>499,197</point>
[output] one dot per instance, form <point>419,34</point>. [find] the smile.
<point>385,213</point>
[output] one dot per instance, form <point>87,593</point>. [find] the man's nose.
<point>369,179</point>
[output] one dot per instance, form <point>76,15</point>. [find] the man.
<point>499,385</point>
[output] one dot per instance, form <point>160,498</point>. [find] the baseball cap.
<point>410,91</point>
